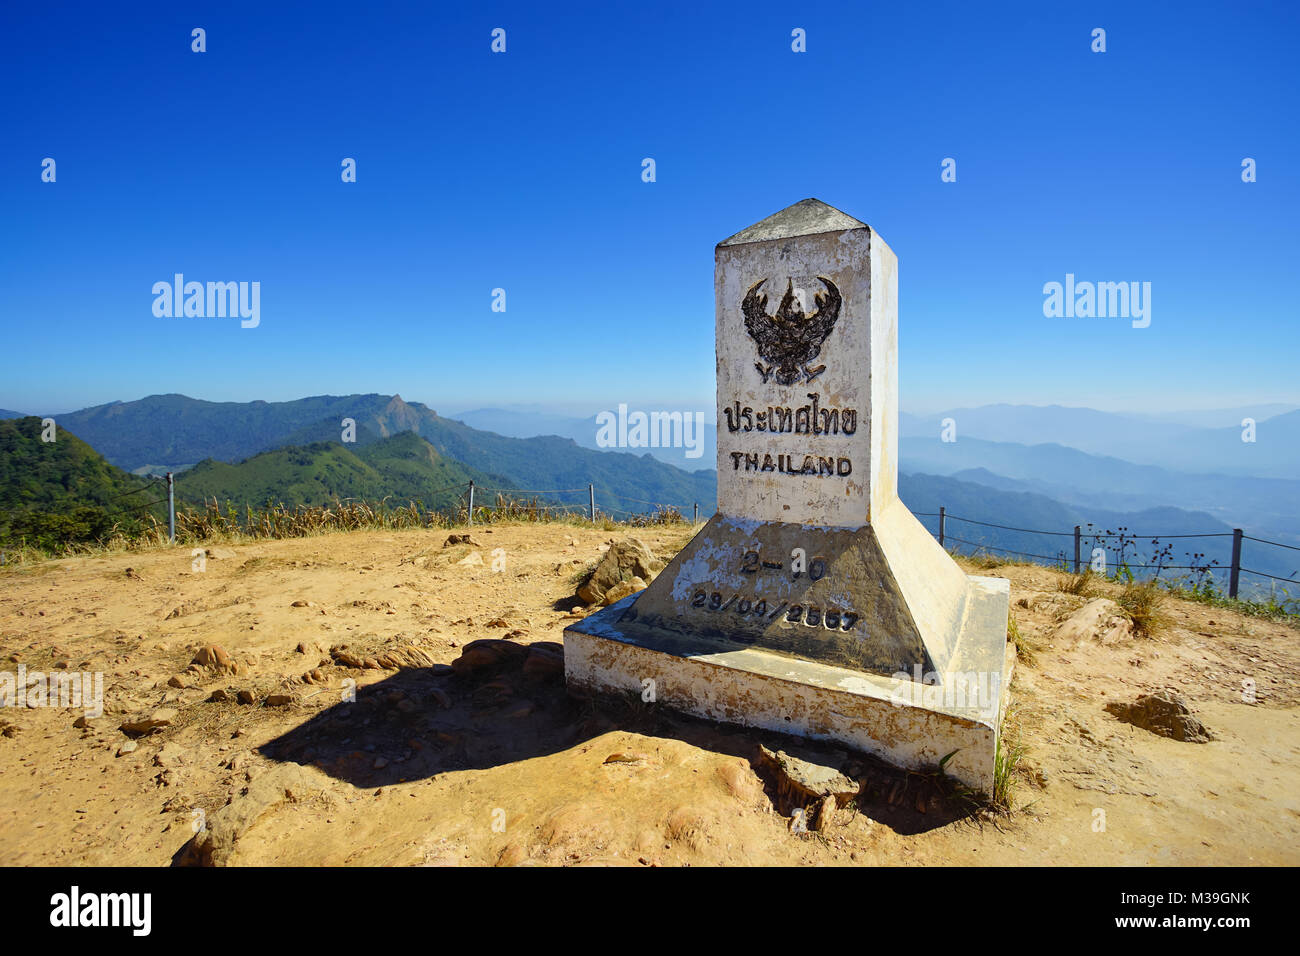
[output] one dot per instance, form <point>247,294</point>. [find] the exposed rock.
<point>407,655</point>
<point>343,656</point>
<point>214,845</point>
<point>218,696</point>
<point>622,590</point>
<point>454,539</point>
<point>1164,713</point>
<point>807,779</point>
<point>246,697</point>
<point>139,726</point>
<point>279,700</point>
<point>545,661</point>
<point>486,656</point>
<point>1099,620</point>
<point>221,554</point>
<point>624,561</point>
<point>302,603</point>
<point>214,657</point>
<point>473,559</point>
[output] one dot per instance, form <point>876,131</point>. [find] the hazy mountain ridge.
<point>1164,442</point>
<point>528,424</point>
<point>181,430</point>
<point>1262,504</point>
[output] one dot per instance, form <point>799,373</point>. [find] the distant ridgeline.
<point>172,432</point>
<point>62,491</point>
<point>291,453</point>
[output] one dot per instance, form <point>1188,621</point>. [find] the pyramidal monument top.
<point>808,217</point>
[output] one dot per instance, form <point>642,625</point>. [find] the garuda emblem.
<point>789,340</point>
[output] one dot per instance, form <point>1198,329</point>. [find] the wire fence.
<point>508,502</point>
<point>1126,540</point>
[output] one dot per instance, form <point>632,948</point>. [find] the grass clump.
<point>1026,650</point>
<point>1141,601</point>
<point>1082,585</point>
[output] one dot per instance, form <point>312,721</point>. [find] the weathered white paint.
<point>755,688</point>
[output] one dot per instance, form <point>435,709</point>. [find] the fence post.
<point>1236,563</point>
<point>591,496</point>
<point>942,516</point>
<point>1076,549</point>
<point>171,507</point>
<point>471,503</point>
<point>697,513</point>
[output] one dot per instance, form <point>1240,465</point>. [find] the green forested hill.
<point>173,431</point>
<point>402,468</point>
<point>63,491</point>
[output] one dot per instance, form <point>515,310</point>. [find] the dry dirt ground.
<point>428,768</point>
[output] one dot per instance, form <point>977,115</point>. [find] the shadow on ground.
<point>506,703</point>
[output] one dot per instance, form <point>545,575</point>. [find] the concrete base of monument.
<point>907,722</point>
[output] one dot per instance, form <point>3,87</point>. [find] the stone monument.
<point>813,602</point>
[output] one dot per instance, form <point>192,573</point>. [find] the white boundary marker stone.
<point>813,602</point>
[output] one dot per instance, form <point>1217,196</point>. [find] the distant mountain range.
<point>174,432</point>
<point>517,423</point>
<point>1265,505</point>
<point>1199,441</point>
<point>1170,442</point>
<point>291,452</point>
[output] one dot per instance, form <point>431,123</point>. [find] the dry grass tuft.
<point>1142,601</point>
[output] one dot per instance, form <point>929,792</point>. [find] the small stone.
<point>160,718</point>
<point>246,697</point>
<point>630,756</point>
<point>215,657</point>
<point>301,603</point>
<point>279,700</point>
<point>1164,713</point>
<point>129,746</point>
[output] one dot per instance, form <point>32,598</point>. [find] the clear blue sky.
<point>523,171</point>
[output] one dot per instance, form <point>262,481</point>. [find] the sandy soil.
<point>426,768</point>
